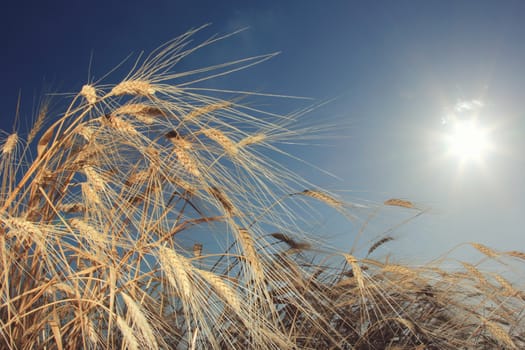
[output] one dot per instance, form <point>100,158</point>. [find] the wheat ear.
<point>134,88</point>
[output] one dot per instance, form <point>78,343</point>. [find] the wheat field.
<point>109,211</point>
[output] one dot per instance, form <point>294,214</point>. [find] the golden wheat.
<point>500,334</point>
<point>90,194</point>
<point>217,136</point>
<point>140,320</point>
<point>226,203</point>
<point>187,162</point>
<point>509,289</point>
<point>94,178</point>
<point>516,254</point>
<point>379,243</point>
<point>197,250</point>
<point>323,197</point>
<point>128,334</point>
<point>119,124</point>
<point>356,269</point>
<point>485,250</point>
<point>178,271</point>
<point>207,109</point>
<point>398,269</point>
<point>89,93</point>
<point>71,207</point>
<point>222,288</point>
<point>250,253</point>
<point>10,144</point>
<point>88,231</point>
<point>399,203</point>
<point>475,272</point>
<point>24,227</point>
<point>133,87</point>
<point>39,122</point>
<point>98,232</point>
<point>138,109</point>
<point>86,132</point>
<point>252,139</point>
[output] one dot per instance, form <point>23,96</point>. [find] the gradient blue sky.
<point>397,70</point>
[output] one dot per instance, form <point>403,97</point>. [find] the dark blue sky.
<point>397,71</point>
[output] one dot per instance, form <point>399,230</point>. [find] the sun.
<point>468,141</point>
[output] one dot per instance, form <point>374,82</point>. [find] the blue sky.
<point>399,73</point>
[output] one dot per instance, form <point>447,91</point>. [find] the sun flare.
<point>468,141</point>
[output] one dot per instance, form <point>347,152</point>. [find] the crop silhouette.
<point>153,216</point>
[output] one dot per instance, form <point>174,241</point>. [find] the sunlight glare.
<point>468,141</point>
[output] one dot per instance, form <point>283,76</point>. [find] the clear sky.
<point>402,75</point>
